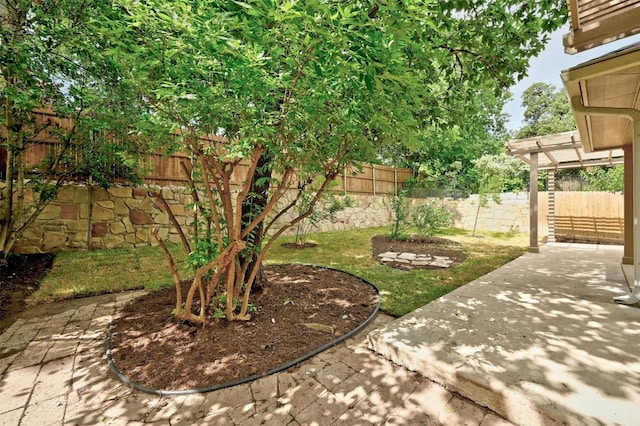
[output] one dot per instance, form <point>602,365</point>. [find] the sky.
<point>547,66</point>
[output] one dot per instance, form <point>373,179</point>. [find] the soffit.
<point>611,81</point>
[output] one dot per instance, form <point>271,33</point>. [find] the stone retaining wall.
<point>83,217</point>
<point>510,215</point>
<point>94,218</point>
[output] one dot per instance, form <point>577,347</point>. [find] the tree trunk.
<point>253,205</point>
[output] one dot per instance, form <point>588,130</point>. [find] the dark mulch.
<point>156,350</point>
<point>434,246</point>
<point>18,279</point>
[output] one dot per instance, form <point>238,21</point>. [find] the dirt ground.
<point>18,280</point>
<point>303,308</point>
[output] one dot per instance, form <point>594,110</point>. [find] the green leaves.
<point>547,111</point>
<point>608,179</point>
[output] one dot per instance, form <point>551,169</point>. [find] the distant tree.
<point>547,111</point>
<point>497,174</point>
<point>469,127</point>
<point>607,179</point>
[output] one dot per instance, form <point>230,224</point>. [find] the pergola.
<point>596,22</point>
<point>551,153</point>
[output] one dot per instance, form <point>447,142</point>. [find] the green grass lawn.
<point>76,274</point>
<point>86,273</point>
<point>404,291</point>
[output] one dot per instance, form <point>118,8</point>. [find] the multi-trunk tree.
<point>296,93</point>
<point>281,96</point>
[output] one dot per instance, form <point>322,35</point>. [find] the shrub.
<point>430,216</point>
<point>399,211</point>
<point>326,208</point>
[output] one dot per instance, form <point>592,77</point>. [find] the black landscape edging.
<point>168,392</point>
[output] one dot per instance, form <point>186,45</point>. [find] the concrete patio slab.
<point>539,341</point>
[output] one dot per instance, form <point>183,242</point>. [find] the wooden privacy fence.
<point>592,216</point>
<point>167,170</point>
<point>370,179</point>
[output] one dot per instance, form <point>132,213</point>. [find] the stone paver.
<point>53,371</point>
<point>415,259</point>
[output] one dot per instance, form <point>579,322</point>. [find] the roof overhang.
<point>596,22</point>
<point>599,91</point>
<point>561,151</point>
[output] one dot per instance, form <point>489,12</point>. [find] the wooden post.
<point>395,181</point>
<point>89,224</point>
<point>533,204</point>
<point>344,181</point>
<point>551,216</point>
<point>373,174</point>
<point>627,257</point>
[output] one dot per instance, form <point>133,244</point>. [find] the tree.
<point>607,179</point>
<point>547,111</point>
<point>447,153</point>
<point>285,95</point>
<point>49,66</point>
<point>497,174</point>
<point>399,211</point>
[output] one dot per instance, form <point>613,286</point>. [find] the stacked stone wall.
<point>83,217</point>
<point>510,214</point>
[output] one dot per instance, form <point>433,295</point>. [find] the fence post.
<point>373,174</point>
<point>344,181</point>
<point>533,203</point>
<point>89,221</point>
<point>551,214</point>
<point>395,180</point>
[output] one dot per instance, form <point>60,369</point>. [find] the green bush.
<point>399,211</point>
<point>429,217</point>
<point>326,208</point>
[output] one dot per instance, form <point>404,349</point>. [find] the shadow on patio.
<point>538,340</point>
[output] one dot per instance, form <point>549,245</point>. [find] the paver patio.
<point>53,371</point>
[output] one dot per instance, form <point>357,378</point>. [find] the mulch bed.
<point>154,349</point>
<point>151,347</point>
<point>433,246</point>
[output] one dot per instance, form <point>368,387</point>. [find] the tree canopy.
<point>49,60</point>
<point>547,111</point>
<point>286,94</point>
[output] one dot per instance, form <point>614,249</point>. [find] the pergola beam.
<point>583,164</point>
<point>551,158</point>
<point>593,26</point>
<point>563,151</point>
<point>517,151</point>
